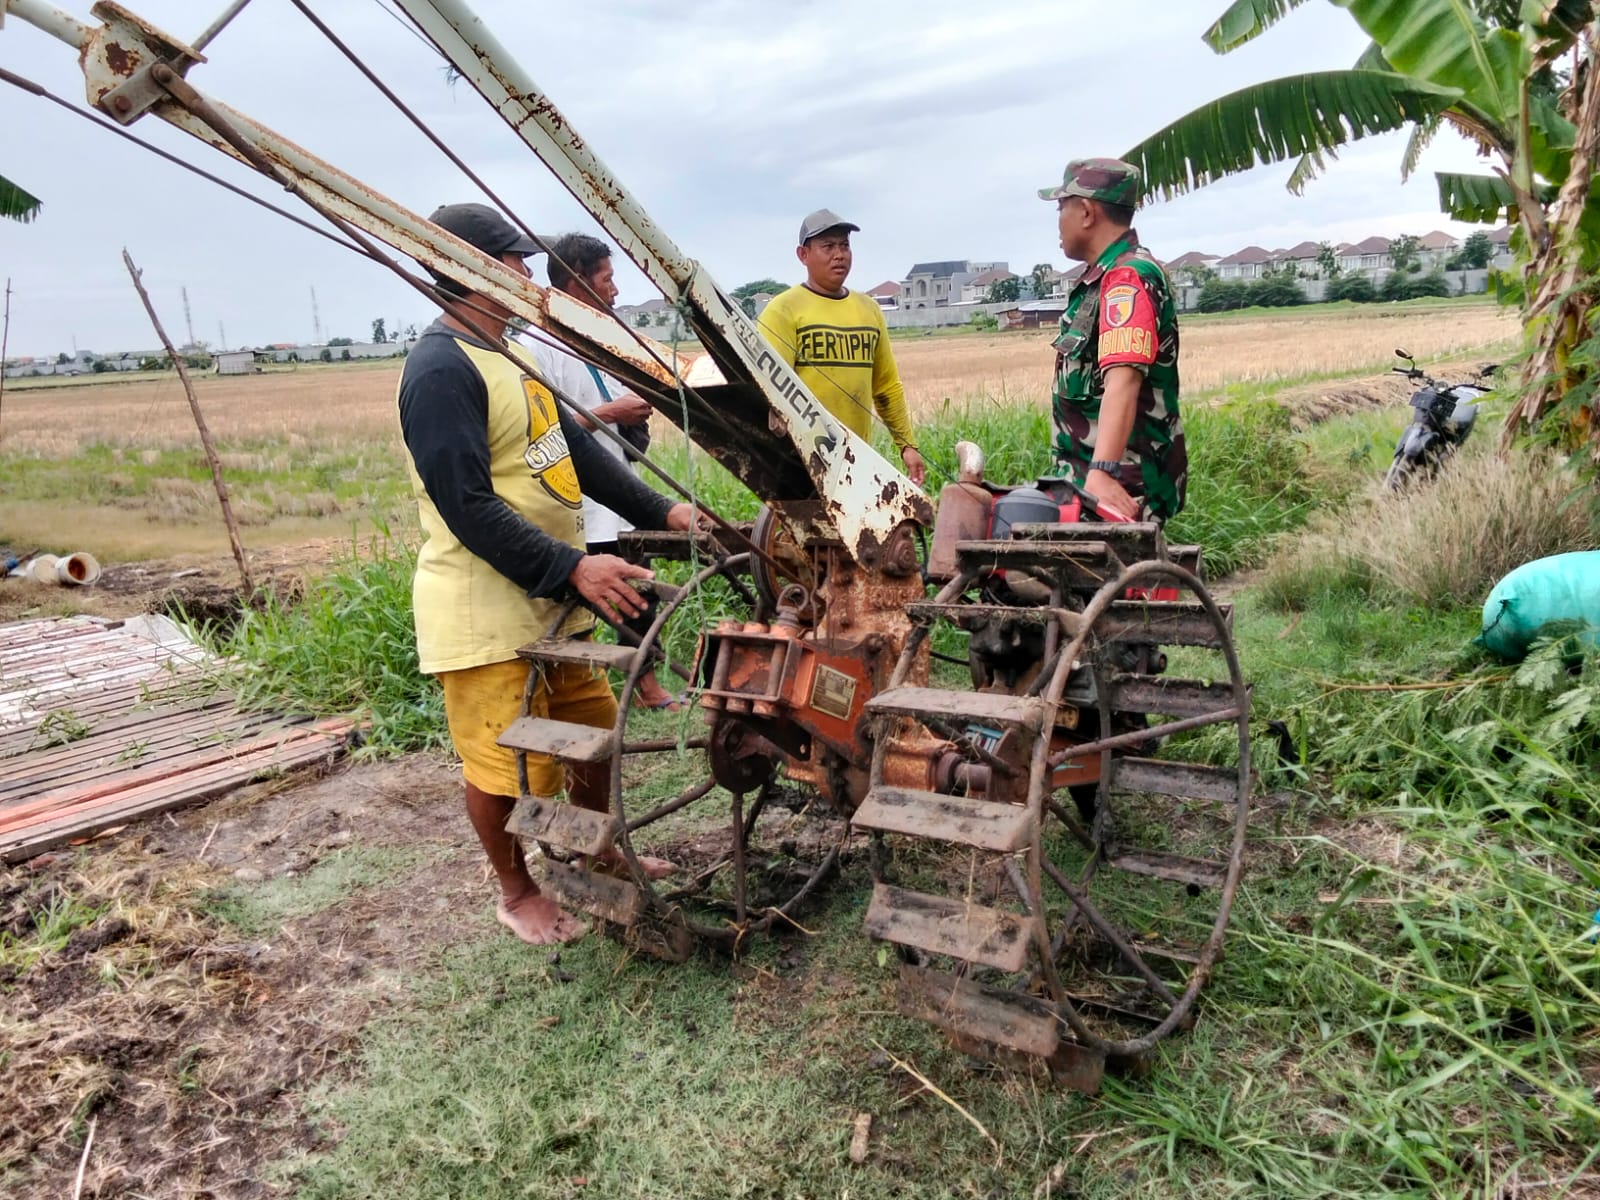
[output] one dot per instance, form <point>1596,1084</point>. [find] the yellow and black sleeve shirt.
<point>499,474</point>
<point>839,347</point>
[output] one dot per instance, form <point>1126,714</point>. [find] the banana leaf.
<point>1297,116</point>
<point>17,204</point>
<point>1246,20</point>
<point>1482,198</point>
<point>1446,43</point>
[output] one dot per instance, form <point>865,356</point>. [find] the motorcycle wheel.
<point>1400,472</point>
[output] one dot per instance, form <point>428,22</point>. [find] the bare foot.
<point>613,863</point>
<point>539,921</point>
<point>652,695</point>
<point>662,702</point>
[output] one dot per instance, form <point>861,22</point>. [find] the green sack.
<point>1561,589</point>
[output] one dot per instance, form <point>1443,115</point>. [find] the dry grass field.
<point>1217,351</point>
<point>114,466</point>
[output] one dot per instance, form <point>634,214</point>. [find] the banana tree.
<point>1484,69</point>
<point>15,203</point>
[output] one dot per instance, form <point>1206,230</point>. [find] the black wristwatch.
<point>1110,468</point>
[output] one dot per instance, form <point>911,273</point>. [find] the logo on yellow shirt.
<point>835,346</point>
<point>547,455</point>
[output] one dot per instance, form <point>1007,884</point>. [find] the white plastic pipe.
<point>79,569</point>
<point>41,568</point>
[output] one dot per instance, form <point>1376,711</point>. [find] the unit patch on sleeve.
<point>1127,320</point>
<point>1119,304</point>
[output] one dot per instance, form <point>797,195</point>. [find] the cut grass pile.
<point>1445,543</point>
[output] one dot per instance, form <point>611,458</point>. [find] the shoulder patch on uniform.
<point>1119,304</point>
<point>1128,334</point>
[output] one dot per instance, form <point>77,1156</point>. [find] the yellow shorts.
<point>480,702</point>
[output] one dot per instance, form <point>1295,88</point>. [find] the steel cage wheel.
<point>1091,889</point>
<point>751,881</point>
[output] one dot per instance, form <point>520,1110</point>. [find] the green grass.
<point>262,908</point>
<point>265,480</point>
<point>348,645</point>
<point>1406,1007</point>
<point>61,915</point>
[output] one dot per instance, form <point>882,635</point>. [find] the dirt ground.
<point>198,584</point>
<point>1312,403</point>
<point>188,1043</point>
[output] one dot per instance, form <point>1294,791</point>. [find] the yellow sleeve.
<point>777,323</point>
<point>888,393</point>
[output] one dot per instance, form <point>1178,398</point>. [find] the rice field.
<point>114,466</point>
<point>1217,351</point>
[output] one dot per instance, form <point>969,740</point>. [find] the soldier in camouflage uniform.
<point>1116,392</point>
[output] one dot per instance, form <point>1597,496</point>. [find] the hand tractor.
<point>1054,890</point>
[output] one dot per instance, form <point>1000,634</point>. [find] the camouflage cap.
<point>1108,179</point>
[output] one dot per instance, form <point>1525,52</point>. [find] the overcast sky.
<point>929,123</point>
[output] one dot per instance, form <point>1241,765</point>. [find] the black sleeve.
<point>606,478</point>
<point>444,417</point>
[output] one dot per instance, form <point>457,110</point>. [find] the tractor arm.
<point>740,401</point>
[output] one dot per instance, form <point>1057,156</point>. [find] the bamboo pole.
<point>5,334</point>
<point>200,423</point>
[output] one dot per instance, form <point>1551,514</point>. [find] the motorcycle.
<point>1444,416</point>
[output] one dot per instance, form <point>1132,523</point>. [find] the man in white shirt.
<point>580,266</point>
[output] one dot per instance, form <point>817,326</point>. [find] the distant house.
<point>1032,314</point>
<point>1191,262</point>
<point>936,284</point>
<point>1437,248</point>
<point>974,290</point>
<point>1054,283</point>
<point>887,293</point>
<point>1249,263</point>
<point>927,284</point>
<point>1371,254</point>
<point>235,362</point>
<point>1302,258</point>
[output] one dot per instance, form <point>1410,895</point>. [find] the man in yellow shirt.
<point>500,474</point>
<point>836,339</point>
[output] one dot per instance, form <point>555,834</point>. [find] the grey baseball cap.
<point>479,225</point>
<point>821,221</point>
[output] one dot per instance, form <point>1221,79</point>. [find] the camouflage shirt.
<point>1120,313</point>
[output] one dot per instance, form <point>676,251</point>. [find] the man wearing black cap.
<point>836,340</point>
<point>499,474</point>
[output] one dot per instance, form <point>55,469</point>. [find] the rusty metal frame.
<point>866,498</point>
<point>863,499</point>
